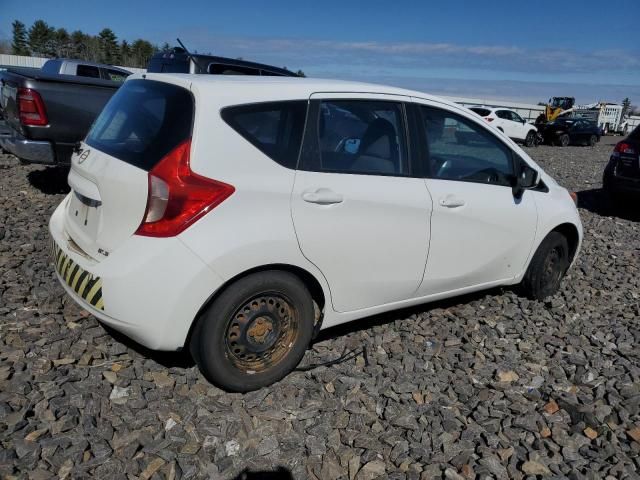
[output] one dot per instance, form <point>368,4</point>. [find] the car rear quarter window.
<point>483,112</point>
<point>143,122</point>
<point>274,128</point>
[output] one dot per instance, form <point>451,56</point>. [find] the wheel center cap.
<point>260,330</point>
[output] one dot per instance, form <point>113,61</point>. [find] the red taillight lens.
<point>31,108</point>
<point>623,147</point>
<point>488,119</point>
<point>178,197</point>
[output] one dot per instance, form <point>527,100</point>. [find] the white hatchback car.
<point>509,122</point>
<point>237,216</point>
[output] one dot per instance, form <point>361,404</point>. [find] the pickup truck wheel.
<point>593,140</point>
<point>255,332</point>
<point>530,140</point>
<point>547,267</point>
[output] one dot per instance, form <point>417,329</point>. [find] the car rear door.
<point>142,123</point>
<point>480,233</point>
<point>360,214</point>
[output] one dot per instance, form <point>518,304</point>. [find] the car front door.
<point>480,233</point>
<point>360,213</point>
<point>520,127</point>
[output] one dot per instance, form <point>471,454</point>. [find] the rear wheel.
<point>547,267</point>
<point>255,332</point>
<point>530,140</point>
<point>593,140</point>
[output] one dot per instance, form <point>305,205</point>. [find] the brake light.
<point>624,147</point>
<point>31,108</point>
<point>489,119</point>
<point>177,197</point>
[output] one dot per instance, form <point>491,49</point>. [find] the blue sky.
<point>490,49</point>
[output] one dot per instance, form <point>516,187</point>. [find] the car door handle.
<point>451,201</point>
<point>322,196</point>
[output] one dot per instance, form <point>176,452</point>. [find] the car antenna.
<point>190,55</point>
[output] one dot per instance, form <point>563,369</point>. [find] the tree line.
<point>44,40</point>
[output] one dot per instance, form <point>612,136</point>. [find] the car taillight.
<point>31,108</point>
<point>488,119</point>
<point>177,197</point>
<point>624,147</point>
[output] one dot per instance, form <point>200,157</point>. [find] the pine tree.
<point>125,53</point>
<point>41,39</point>
<point>63,46</point>
<point>109,50</point>
<point>141,52</point>
<point>19,44</point>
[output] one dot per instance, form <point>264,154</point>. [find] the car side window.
<point>459,149</point>
<point>274,128</point>
<point>115,75</point>
<point>360,137</point>
<point>87,71</point>
<point>516,118</point>
<point>503,114</point>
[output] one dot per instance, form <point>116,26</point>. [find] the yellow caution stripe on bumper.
<point>85,284</point>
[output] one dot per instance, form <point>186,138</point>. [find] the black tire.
<point>547,267</point>
<point>255,332</point>
<point>564,140</point>
<point>530,140</point>
<point>593,139</point>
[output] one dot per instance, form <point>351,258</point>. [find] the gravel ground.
<point>485,386</point>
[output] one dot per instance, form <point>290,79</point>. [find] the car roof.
<point>263,88</point>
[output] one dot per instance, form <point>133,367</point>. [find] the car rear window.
<point>143,122</point>
<point>275,128</point>
<point>483,112</point>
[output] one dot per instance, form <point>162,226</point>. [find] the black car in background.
<point>571,130</point>
<point>622,173</point>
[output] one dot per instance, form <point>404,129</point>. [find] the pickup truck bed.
<point>71,104</point>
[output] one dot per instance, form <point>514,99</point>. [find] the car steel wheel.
<point>593,140</point>
<point>261,332</point>
<point>564,140</point>
<point>553,269</point>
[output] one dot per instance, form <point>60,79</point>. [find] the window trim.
<point>424,140</point>
<point>309,159</point>
<point>226,118</point>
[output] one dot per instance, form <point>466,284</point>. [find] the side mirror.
<point>527,178</point>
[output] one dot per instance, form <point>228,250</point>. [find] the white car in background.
<point>237,216</point>
<point>509,122</point>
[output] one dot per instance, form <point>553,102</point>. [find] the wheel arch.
<point>570,232</point>
<point>307,278</point>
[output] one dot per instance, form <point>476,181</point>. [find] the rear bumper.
<point>149,289</point>
<point>32,151</point>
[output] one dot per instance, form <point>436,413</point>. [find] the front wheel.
<point>255,332</point>
<point>547,267</point>
<point>564,139</point>
<point>530,140</point>
<point>593,140</point>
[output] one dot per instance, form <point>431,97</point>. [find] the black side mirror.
<point>525,179</point>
